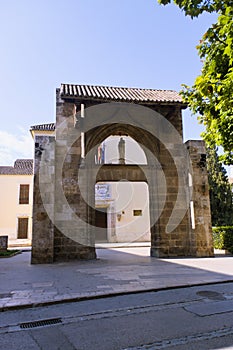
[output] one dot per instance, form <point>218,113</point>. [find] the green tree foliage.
<point>194,8</point>
<point>223,238</point>
<point>221,196</point>
<point>211,96</point>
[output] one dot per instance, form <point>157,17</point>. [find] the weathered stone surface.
<point>43,201</point>
<point>200,197</point>
<point>69,232</point>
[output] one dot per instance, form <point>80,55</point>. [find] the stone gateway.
<point>66,172</point>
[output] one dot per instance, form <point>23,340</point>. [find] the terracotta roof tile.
<point>119,94</point>
<point>44,127</point>
<point>21,167</point>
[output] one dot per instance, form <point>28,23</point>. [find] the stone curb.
<point>101,295</point>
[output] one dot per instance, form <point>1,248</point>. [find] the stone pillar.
<point>154,177</point>
<point>200,203</point>
<point>72,239</point>
<point>43,201</point>
<point>171,233</point>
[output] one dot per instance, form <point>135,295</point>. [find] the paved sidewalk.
<point>116,271</point>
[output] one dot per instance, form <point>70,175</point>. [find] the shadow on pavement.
<point>116,271</point>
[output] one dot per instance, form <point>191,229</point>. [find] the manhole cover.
<point>210,294</point>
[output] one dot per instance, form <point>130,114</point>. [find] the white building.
<point>16,200</point>
<point>122,208</point>
<point>122,212</point>
<point>16,188</point>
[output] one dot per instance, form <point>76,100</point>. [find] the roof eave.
<point>106,100</point>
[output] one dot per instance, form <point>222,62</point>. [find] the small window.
<point>22,228</point>
<point>24,194</point>
<point>137,212</point>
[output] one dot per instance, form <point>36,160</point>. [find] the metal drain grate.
<point>40,323</point>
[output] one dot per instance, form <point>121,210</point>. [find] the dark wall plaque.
<point>3,243</point>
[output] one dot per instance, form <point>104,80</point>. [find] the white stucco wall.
<point>130,196</point>
<point>126,197</point>
<point>123,226</point>
<point>11,210</point>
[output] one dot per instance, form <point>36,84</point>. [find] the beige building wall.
<point>11,210</point>
<point>131,201</point>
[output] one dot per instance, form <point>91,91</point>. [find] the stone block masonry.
<point>201,228</point>
<point>66,174</point>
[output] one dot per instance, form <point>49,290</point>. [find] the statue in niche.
<point>121,150</point>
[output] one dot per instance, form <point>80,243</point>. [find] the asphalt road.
<point>183,318</point>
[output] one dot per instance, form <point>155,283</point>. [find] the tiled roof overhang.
<point>43,127</point>
<point>21,167</point>
<point>120,94</point>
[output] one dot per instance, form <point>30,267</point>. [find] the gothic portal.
<point>67,168</point>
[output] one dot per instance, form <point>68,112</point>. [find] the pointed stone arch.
<point>67,207</point>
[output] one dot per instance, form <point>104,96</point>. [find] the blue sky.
<point>133,43</point>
